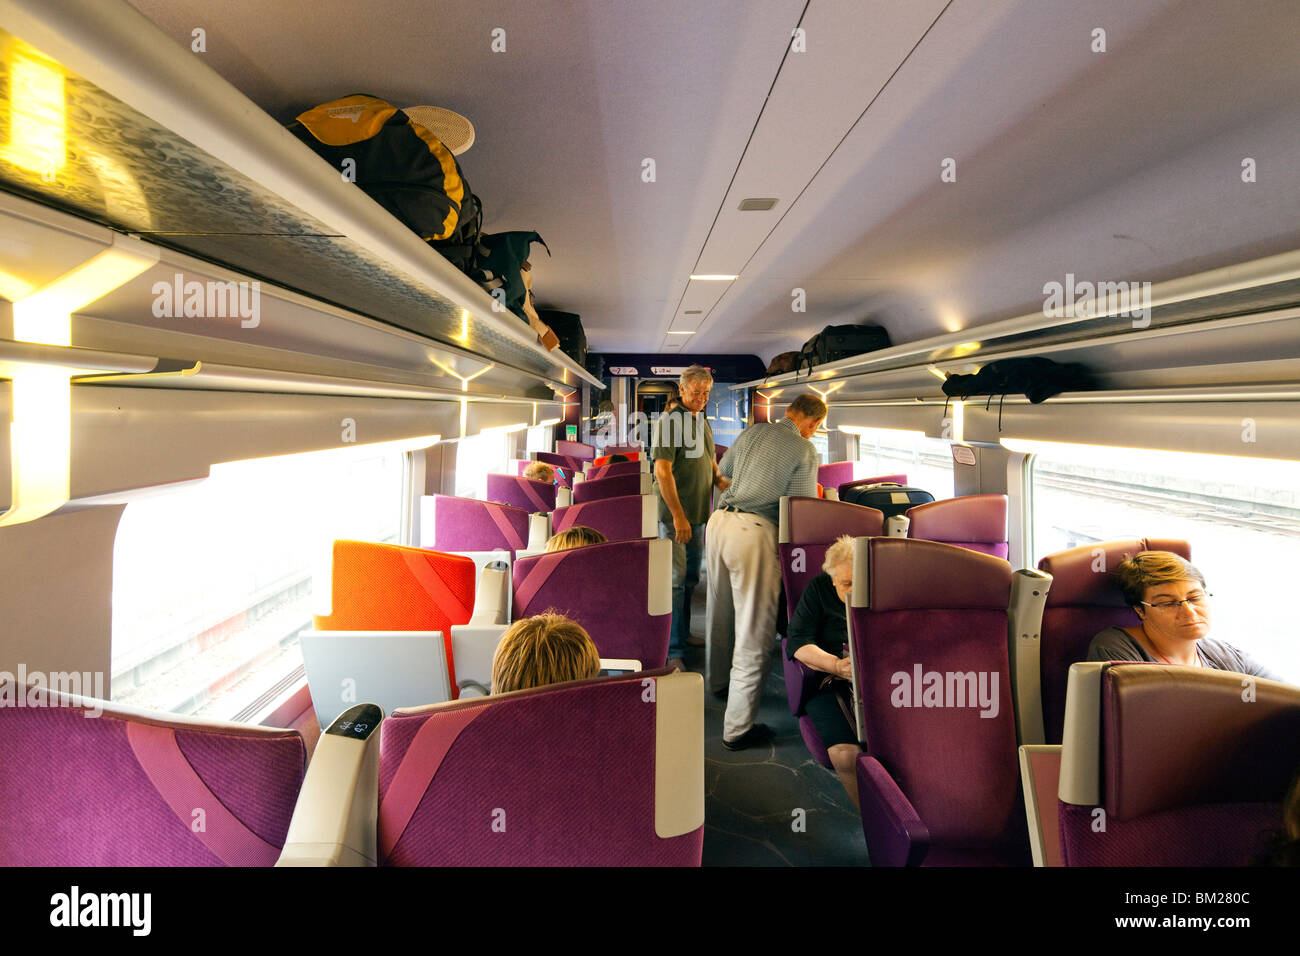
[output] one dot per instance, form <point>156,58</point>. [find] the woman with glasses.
<point>1173,608</point>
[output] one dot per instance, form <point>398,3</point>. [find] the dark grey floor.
<point>753,795</point>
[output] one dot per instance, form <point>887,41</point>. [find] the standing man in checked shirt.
<point>767,461</point>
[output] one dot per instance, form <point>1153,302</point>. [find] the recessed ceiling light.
<point>714,278</point>
<point>756,205</point>
<point>675,332</point>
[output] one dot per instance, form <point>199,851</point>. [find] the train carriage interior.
<point>302,448</point>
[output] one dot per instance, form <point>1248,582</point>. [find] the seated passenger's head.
<point>1167,592</point>
<point>579,536</point>
<point>839,565</point>
<point>540,471</point>
<point>544,649</point>
<point>617,458</point>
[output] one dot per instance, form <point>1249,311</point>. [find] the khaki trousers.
<point>744,578</point>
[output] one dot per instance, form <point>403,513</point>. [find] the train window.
<point>1241,517</point>
<point>927,462</point>
<point>212,582</point>
<point>479,456</point>
<point>540,438</point>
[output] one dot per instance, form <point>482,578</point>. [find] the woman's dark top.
<point>819,619</point>
<point>1115,644</point>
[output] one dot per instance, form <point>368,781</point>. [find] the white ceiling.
<point>1115,165</point>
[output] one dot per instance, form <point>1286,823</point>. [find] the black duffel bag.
<point>836,342</point>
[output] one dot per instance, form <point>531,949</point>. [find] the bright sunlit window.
<point>480,456</point>
<point>212,582</point>
<point>1241,517</point>
<point>927,462</point>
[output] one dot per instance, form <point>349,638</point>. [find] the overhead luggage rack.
<point>109,119</point>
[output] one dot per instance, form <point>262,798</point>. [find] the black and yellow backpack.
<point>402,166</point>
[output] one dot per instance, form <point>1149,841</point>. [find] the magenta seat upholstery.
<point>520,492</point>
<point>808,527</point>
<point>121,789</point>
<point>939,785</point>
<point>467,524</point>
<point>1190,774</point>
<point>575,449</point>
<point>621,449</point>
<point>719,451</point>
<point>1083,601</point>
<point>859,482</point>
<point>607,588</point>
<point>614,469</point>
<point>562,775</point>
<point>618,519</point>
<point>977,522</point>
<point>614,487</point>
<point>836,473</point>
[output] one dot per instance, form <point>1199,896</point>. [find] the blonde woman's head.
<point>578,536</point>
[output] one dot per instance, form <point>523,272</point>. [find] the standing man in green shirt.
<point>686,471</point>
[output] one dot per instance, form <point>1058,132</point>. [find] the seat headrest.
<point>1181,736</point>
<point>909,574</point>
<point>968,518</point>
<point>1081,575</point>
<point>821,521</point>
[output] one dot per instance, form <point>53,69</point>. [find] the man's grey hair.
<point>696,373</point>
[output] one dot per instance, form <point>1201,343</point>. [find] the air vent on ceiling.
<point>756,205</point>
<point>692,312</point>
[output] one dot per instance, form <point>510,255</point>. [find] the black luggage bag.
<point>568,328</point>
<point>887,498</point>
<point>840,341</point>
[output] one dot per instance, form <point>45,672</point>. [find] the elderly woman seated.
<point>818,637</point>
<point>540,471</point>
<point>546,648</point>
<point>1168,593</point>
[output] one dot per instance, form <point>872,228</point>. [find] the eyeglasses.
<point>1168,607</point>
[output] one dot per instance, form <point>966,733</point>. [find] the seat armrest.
<point>801,682</point>
<point>335,820</point>
<point>896,835</point>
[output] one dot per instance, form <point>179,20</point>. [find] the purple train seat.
<point>719,451</point>
<point>602,772</point>
<point>567,463</point>
<point>621,449</point>
<point>807,527</point>
<point>1186,769</point>
<point>89,783</point>
<point>859,482</point>
<point>939,779</point>
<point>1083,601</point>
<point>575,449</point>
<point>624,518</point>
<point>620,592</point>
<point>836,473</point>
<point>635,484</point>
<point>977,522</point>
<point>520,492</point>
<point>616,469</point>
<point>467,524</point>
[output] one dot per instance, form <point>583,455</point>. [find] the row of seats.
<point>941,784</point>
<point>131,788</point>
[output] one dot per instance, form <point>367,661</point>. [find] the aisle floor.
<point>752,795</point>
